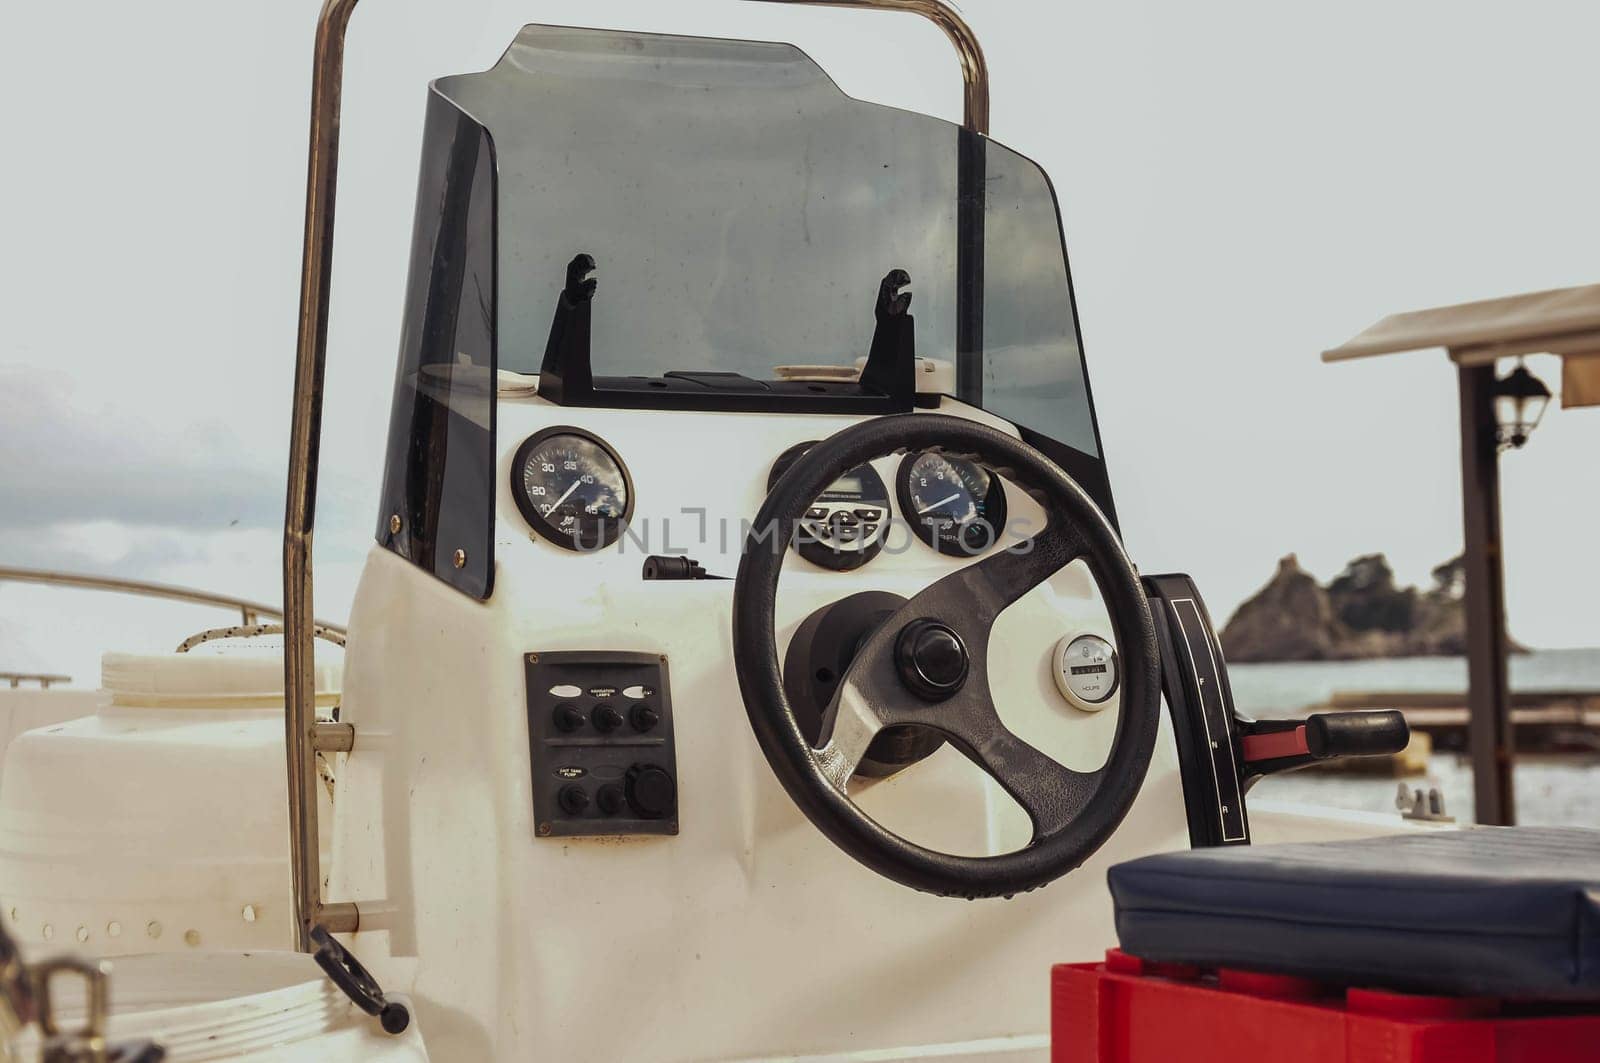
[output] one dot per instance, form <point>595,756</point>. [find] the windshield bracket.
<point>887,383</point>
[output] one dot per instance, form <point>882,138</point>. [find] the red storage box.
<point>1127,1011</point>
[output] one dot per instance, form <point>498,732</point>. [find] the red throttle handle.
<point>1279,745</point>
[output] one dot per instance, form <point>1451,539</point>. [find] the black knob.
<point>573,799</point>
<point>569,718</point>
<point>651,792</point>
<point>931,659</point>
<point>610,799</point>
<point>643,718</point>
<point>605,719</point>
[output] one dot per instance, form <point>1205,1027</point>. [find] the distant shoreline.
<point>1361,614</point>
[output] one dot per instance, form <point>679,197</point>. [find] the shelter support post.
<point>1490,733</point>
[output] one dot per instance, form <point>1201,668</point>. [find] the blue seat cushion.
<point>1511,912</point>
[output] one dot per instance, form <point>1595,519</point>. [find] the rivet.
<point>114,929</point>
<point>394,524</point>
<point>83,934</point>
<point>191,938</point>
<point>249,913</point>
<point>461,559</point>
<point>153,928</point>
<point>48,931</point>
<point>544,829</point>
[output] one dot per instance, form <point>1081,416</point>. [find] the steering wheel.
<point>927,665</point>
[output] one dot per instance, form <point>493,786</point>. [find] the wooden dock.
<point>1545,721</point>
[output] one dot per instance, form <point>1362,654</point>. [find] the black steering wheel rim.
<point>800,769</point>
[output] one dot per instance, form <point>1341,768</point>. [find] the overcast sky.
<point>1243,184</point>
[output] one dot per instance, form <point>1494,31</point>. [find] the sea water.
<point>1550,789</point>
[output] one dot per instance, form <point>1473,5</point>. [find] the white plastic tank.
<point>24,708</point>
<point>160,822</point>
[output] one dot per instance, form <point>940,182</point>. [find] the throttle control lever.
<point>1278,745</point>
<point>1222,752</point>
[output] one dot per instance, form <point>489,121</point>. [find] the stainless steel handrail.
<point>45,680</point>
<point>974,67</point>
<point>311,354</point>
<point>249,611</point>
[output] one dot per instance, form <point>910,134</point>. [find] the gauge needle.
<point>939,503</point>
<point>567,494</point>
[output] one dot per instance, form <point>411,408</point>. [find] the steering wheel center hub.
<point>932,660</point>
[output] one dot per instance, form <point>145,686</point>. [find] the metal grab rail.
<point>45,680</point>
<point>311,354</point>
<point>974,67</point>
<point>250,612</point>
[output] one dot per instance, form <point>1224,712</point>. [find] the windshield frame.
<point>432,334</point>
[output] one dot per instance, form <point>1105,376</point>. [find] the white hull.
<point>244,1008</point>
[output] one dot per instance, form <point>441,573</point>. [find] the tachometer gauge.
<point>572,488</point>
<point>954,506</point>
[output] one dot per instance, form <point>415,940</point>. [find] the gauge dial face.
<point>954,506</point>
<point>572,488</point>
<point>1086,671</point>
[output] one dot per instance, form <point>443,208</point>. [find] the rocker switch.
<point>605,719</point>
<point>569,718</point>
<point>573,800</point>
<point>610,799</point>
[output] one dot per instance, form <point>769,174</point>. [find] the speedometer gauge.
<point>954,506</point>
<point>572,488</point>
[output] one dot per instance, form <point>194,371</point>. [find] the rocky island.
<point>1361,613</point>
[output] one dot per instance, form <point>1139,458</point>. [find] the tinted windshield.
<point>743,211</point>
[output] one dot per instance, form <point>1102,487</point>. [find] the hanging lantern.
<point>1520,399</point>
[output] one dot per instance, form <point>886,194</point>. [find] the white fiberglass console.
<point>744,932</point>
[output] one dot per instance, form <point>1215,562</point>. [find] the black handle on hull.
<point>356,982</point>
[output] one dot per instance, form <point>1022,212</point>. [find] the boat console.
<point>747,664</point>
<point>747,582</point>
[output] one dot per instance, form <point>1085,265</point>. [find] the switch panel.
<point>600,737</point>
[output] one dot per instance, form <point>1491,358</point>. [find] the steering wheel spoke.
<point>1016,570</point>
<point>855,723</point>
<point>971,599</point>
<point>1051,793</point>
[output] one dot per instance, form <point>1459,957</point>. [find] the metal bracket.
<point>334,737</point>
<point>1424,806</point>
<point>87,1044</point>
